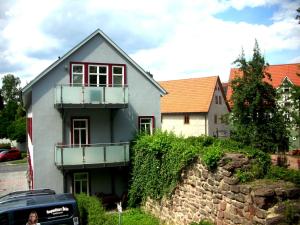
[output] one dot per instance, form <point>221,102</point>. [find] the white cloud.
<point>171,38</point>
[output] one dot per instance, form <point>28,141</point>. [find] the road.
<point>12,177</point>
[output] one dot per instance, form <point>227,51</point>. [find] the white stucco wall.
<point>217,129</point>
<point>175,123</point>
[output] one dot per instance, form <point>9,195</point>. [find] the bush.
<point>91,210</point>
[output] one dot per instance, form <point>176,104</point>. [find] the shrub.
<point>91,210</point>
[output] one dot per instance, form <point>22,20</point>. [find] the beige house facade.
<point>194,107</point>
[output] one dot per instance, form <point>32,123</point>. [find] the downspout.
<point>63,140</point>
<point>205,124</point>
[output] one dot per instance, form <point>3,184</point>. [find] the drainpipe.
<point>205,119</point>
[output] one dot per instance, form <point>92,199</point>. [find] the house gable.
<point>104,38</point>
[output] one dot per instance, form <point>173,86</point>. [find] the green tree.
<point>257,120</point>
<point>12,113</point>
<point>11,90</point>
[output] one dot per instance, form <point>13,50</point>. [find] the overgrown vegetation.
<point>159,160</point>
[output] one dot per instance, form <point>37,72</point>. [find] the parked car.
<point>50,208</point>
<point>10,155</point>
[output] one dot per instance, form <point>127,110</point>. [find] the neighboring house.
<point>195,107</point>
<point>283,76</point>
<point>82,112</point>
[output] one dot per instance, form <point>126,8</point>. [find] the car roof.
<point>33,198</point>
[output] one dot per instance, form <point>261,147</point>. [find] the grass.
<point>135,217</point>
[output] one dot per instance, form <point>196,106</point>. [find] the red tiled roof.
<point>188,95</point>
<point>278,73</point>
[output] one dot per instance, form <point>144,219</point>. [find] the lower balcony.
<point>92,156</point>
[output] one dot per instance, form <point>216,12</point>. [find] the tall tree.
<point>298,15</point>
<point>256,117</point>
<point>11,90</point>
<point>12,114</point>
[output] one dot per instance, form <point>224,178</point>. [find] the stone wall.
<point>217,196</point>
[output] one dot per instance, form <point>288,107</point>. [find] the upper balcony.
<point>92,156</point>
<point>71,96</point>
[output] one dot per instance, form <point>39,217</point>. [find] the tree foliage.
<point>257,120</point>
<point>11,90</point>
<point>298,15</point>
<point>12,114</point>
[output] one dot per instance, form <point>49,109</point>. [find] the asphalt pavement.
<point>12,177</point>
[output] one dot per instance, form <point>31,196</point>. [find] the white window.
<point>77,75</point>
<point>80,131</point>
<point>117,76</point>
<point>98,75</point>
<point>81,183</point>
<point>146,124</point>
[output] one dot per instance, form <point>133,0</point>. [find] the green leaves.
<point>256,118</point>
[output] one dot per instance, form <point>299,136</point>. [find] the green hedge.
<point>91,210</point>
<point>5,146</point>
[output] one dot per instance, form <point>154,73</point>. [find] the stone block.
<point>231,180</point>
<point>278,219</point>
<point>222,205</point>
<point>239,197</point>
<point>265,192</point>
<point>235,188</point>
<point>260,213</point>
<point>245,189</point>
<point>293,193</point>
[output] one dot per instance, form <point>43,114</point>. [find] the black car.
<point>50,208</point>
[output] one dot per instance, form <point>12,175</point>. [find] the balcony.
<point>92,156</point>
<point>68,96</point>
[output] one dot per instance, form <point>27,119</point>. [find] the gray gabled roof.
<point>98,31</point>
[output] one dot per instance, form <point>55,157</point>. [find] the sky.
<point>173,39</point>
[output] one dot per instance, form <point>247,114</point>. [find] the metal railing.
<point>102,95</point>
<point>102,153</point>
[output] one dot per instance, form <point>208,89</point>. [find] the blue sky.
<point>173,39</point>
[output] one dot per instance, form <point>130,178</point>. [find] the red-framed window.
<point>146,124</point>
<point>97,74</point>
<point>80,131</point>
<point>186,119</point>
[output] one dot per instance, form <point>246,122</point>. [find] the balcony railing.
<point>71,96</point>
<point>96,155</point>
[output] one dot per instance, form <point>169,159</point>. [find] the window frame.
<point>186,119</point>
<point>87,120</point>
<point>152,124</point>
<point>113,75</point>
<point>98,74</point>
<point>81,180</point>
<point>110,74</point>
<point>216,99</point>
<point>72,74</point>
